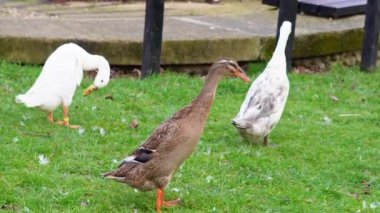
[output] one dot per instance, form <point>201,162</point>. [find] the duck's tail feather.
<point>106,175</point>
<point>240,124</point>
<point>110,175</point>
<point>28,100</point>
<point>121,173</point>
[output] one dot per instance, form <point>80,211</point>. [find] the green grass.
<point>317,167</point>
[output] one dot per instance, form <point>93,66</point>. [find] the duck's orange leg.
<point>66,118</point>
<point>160,200</point>
<point>50,117</point>
<point>267,142</point>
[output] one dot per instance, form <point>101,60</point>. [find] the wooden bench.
<point>288,11</point>
<point>327,8</point>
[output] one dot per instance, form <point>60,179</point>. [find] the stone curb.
<point>189,52</point>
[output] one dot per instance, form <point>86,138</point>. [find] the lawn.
<point>327,158</point>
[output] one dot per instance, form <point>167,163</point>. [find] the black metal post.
<point>287,12</point>
<point>371,35</point>
<point>154,19</point>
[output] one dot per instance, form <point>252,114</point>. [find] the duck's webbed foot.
<point>65,121</point>
<point>171,203</point>
<point>160,200</point>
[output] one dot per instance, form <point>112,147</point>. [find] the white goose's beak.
<point>89,90</point>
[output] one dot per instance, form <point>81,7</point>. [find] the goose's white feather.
<point>60,76</point>
<point>266,98</point>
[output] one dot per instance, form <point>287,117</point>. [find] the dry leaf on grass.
<point>334,98</point>
<point>134,124</point>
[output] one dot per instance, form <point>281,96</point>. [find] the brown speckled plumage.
<point>154,162</point>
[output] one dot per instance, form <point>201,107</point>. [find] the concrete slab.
<point>194,33</point>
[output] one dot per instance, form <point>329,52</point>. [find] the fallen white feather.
<point>81,131</point>
<point>43,160</point>
<point>208,151</point>
<point>26,117</point>
<point>63,193</point>
<point>15,140</point>
<point>175,190</point>
<point>102,131</point>
<point>327,120</point>
<point>374,205</point>
<point>209,178</point>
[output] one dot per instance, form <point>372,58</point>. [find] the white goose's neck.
<point>102,64</point>
<point>91,62</point>
<point>278,58</point>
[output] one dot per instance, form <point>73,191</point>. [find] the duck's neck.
<point>207,95</point>
<point>278,57</point>
<point>92,62</point>
<point>96,62</point>
<point>102,65</point>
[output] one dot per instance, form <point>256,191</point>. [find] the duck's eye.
<point>101,81</point>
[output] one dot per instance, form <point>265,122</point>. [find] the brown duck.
<point>154,162</point>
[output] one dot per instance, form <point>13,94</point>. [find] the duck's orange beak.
<point>241,74</point>
<point>89,90</point>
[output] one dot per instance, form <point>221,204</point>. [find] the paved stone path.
<point>194,33</point>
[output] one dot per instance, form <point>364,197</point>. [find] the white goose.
<point>266,98</point>
<point>60,76</point>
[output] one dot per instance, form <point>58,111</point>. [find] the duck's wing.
<point>263,100</point>
<point>140,155</point>
<point>160,139</point>
<point>62,69</point>
<point>146,152</point>
<point>253,95</point>
<point>261,104</point>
